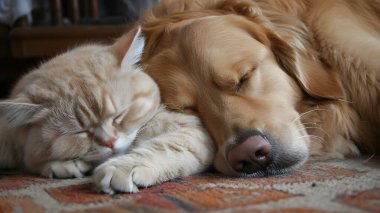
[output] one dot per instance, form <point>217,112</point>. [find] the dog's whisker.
<point>304,127</point>
<point>309,123</point>
<point>320,139</point>
<point>318,128</point>
<point>301,126</point>
<point>307,112</point>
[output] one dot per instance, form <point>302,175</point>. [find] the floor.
<point>337,186</point>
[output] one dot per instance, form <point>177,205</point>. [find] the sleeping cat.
<point>88,105</point>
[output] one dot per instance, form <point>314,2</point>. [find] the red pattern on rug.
<point>339,186</point>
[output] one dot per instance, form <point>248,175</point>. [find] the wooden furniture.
<point>38,41</point>
<point>29,42</point>
<point>23,46</point>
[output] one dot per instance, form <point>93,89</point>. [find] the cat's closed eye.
<point>117,120</point>
<point>119,117</point>
<point>83,134</point>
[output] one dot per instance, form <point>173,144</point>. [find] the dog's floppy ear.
<point>315,79</point>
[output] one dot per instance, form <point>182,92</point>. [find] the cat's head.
<point>96,120</point>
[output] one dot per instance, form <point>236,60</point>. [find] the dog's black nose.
<point>250,155</point>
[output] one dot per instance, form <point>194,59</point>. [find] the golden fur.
<point>306,72</point>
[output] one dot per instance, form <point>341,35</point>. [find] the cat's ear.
<point>19,112</point>
<point>128,49</point>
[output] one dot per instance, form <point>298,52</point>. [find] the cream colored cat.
<point>89,104</point>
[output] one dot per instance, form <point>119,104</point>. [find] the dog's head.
<point>244,80</point>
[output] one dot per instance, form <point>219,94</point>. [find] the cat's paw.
<point>112,177</point>
<point>66,169</point>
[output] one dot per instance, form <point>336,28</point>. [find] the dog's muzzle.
<point>251,153</point>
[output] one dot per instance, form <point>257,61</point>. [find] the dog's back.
<point>347,34</point>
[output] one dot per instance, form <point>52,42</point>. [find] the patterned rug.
<point>339,186</point>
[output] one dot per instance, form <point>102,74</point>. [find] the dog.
<point>275,82</point>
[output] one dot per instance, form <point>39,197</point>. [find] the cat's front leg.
<point>125,174</point>
<point>179,152</point>
<point>66,169</point>
<point>149,165</point>
<point>59,158</point>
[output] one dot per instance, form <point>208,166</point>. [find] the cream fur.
<point>60,119</point>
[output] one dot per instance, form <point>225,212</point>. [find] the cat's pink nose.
<point>110,143</point>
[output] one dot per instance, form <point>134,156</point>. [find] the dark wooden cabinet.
<point>23,46</point>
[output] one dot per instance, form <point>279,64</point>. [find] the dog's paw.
<point>114,176</point>
<point>66,169</point>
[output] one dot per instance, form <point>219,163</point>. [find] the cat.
<point>85,108</point>
<point>80,106</point>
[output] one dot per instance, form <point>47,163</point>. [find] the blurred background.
<point>32,31</point>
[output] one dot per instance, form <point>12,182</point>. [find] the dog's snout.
<point>251,155</point>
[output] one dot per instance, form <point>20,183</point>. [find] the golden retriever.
<point>273,81</point>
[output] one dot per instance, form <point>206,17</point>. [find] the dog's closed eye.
<point>243,80</point>
<point>241,83</point>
